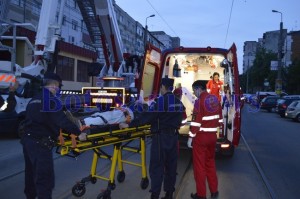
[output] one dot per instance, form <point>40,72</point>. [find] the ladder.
<point>88,12</point>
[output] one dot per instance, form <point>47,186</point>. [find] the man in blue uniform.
<point>165,116</point>
<point>41,130</point>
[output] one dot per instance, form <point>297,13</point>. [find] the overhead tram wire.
<point>228,23</point>
<point>162,19</point>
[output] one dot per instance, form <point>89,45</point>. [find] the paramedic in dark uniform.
<point>207,118</point>
<point>165,116</point>
<point>41,130</point>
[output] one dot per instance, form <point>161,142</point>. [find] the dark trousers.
<point>39,171</point>
<point>204,145</point>
<point>163,162</point>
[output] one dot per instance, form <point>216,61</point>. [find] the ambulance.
<point>186,65</point>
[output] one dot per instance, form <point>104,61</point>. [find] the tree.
<point>261,70</point>
<point>293,78</point>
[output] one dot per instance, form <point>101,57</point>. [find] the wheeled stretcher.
<point>69,145</point>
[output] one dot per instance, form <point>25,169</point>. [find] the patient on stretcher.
<point>115,117</point>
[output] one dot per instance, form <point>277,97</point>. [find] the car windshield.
<point>294,104</point>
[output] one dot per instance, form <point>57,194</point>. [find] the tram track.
<point>260,170</point>
<point>186,176</point>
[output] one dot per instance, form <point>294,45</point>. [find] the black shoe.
<point>154,196</point>
<point>169,195</point>
<point>195,196</point>
<point>215,195</point>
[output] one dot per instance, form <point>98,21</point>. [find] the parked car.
<point>284,102</point>
<point>262,94</point>
<point>293,111</point>
<point>269,103</point>
<point>247,97</point>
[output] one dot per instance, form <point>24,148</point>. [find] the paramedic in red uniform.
<point>214,85</point>
<point>207,117</point>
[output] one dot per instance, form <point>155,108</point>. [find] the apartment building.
<point>75,50</point>
<point>269,41</point>
<point>250,48</point>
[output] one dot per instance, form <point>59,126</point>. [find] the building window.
<point>36,8</point>
<point>17,2</point>
<point>71,39</point>
<point>82,71</point>
<point>74,25</point>
<point>65,68</point>
<point>64,20</point>
<point>74,4</point>
<point>82,25</point>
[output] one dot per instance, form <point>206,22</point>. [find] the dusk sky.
<point>201,23</point>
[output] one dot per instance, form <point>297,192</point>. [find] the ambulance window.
<point>148,79</point>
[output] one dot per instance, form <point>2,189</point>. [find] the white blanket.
<point>116,116</point>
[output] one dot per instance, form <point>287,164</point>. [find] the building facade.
<point>295,45</point>
<point>75,48</point>
<point>73,54</point>
<point>270,42</point>
<point>250,48</point>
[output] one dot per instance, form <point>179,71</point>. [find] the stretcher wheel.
<point>93,180</point>
<point>104,195</point>
<point>121,176</point>
<point>112,186</point>
<point>144,183</point>
<point>78,190</point>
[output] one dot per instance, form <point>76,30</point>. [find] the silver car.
<point>293,111</point>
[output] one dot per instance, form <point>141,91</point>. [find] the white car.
<point>293,111</point>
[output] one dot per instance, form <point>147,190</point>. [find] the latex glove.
<point>190,142</point>
<point>123,125</point>
<point>82,137</point>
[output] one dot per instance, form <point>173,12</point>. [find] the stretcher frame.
<point>69,145</point>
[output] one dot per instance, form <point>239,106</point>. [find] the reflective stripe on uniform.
<point>195,124</point>
<point>208,129</point>
<point>183,121</point>
<point>220,120</point>
<point>212,117</point>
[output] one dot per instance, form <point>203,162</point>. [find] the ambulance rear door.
<point>236,91</point>
<point>149,79</point>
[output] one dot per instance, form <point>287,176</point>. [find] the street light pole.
<point>278,85</point>
<point>247,73</point>
<point>146,30</point>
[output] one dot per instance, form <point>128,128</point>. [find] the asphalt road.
<point>272,140</point>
